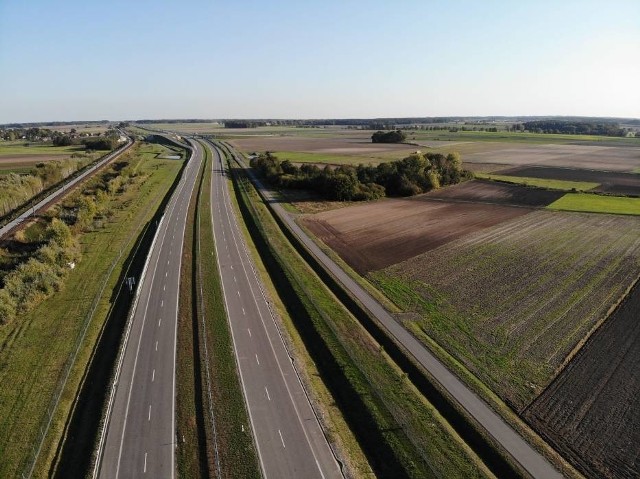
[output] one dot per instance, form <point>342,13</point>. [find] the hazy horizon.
<point>283,59</point>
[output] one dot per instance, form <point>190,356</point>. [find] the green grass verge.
<point>540,182</point>
<point>34,350</point>
<point>618,205</point>
<point>237,455</point>
<point>191,448</point>
<point>401,432</point>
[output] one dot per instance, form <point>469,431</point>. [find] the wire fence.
<point>45,425</point>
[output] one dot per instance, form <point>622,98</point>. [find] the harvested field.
<point>375,235</point>
<point>591,411</point>
<point>345,145</point>
<point>610,182</point>
<point>492,192</point>
<point>606,158</point>
<point>511,302</point>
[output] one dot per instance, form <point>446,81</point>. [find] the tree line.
<point>29,282</point>
<point>15,189</point>
<point>575,127</point>
<point>415,174</point>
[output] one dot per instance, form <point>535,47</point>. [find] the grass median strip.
<point>233,441</point>
<point>401,433</point>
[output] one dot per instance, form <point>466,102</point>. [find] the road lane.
<point>288,436</point>
<point>139,438</point>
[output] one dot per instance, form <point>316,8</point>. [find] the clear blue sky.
<point>90,59</point>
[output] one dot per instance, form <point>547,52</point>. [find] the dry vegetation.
<point>511,302</point>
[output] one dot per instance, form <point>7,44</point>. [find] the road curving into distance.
<point>288,437</point>
<point>521,451</point>
<point>139,436</point>
<point>64,188</point>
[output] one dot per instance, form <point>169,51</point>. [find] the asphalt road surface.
<point>139,438</point>
<point>66,186</point>
<point>289,439</point>
<point>530,459</point>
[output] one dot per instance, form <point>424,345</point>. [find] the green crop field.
<point>597,204</point>
<point>512,301</point>
<point>35,347</point>
<point>541,182</point>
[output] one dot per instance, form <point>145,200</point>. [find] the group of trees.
<point>33,280</point>
<point>394,136</point>
<point>415,174</point>
<point>16,189</point>
<point>40,276</point>
<point>30,134</point>
<point>575,127</point>
<point>100,143</point>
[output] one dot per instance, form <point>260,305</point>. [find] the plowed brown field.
<point>592,410</point>
<point>493,192</point>
<point>375,235</point>
<point>606,158</point>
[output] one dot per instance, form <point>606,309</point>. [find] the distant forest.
<point>575,127</point>
<point>415,174</point>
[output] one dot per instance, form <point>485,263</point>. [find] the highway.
<point>530,459</point>
<point>139,436</point>
<point>288,437</point>
<point>64,188</point>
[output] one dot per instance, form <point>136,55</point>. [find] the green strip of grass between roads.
<point>190,429</point>
<point>233,440</point>
<point>619,205</point>
<point>402,433</point>
<point>235,443</point>
<point>540,182</point>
